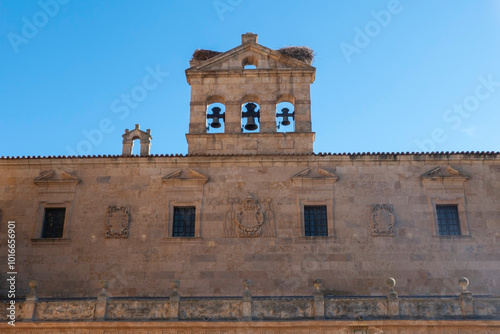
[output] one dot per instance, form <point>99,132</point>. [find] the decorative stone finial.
<point>246,284</point>
<point>137,126</point>
<point>32,294</point>
<point>391,282</point>
<point>317,283</point>
<point>104,285</point>
<point>464,283</point>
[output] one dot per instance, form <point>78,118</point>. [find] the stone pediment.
<point>249,52</point>
<point>314,177</point>
<point>52,177</point>
<point>269,58</point>
<point>191,178</point>
<point>444,175</point>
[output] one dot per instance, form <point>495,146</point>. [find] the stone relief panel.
<point>382,217</point>
<point>117,222</point>
<point>70,310</point>
<point>424,308</point>
<point>271,309</point>
<point>249,218</point>
<point>209,309</point>
<point>355,308</point>
<point>138,309</point>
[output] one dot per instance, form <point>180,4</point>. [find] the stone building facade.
<point>252,225</point>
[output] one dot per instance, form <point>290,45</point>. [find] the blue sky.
<point>392,76</point>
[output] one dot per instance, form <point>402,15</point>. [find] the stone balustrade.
<point>258,308</point>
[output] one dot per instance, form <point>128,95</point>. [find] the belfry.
<point>251,98</point>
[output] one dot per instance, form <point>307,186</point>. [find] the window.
<point>53,223</point>
<point>315,221</point>
<point>447,217</point>
<point>184,221</point>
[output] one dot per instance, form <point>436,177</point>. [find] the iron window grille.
<point>184,221</point>
<point>448,223</point>
<point>315,221</point>
<point>53,223</point>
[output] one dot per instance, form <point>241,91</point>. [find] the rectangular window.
<point>315,221</point>
<point>53,223</point>
<point>184,221</point>
<point>447,216</point>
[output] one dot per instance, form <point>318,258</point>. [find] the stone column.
<point>267,117</point>
<point>29,312</point>
<point>466,300</point>
<point>198,116</point>
<point>246,302</point>
<point>392,300</point>
<point>175,299</point>
<point>102,302</point>
<point>319,300</point>
<point>303,116</point>
<point>233,117</point>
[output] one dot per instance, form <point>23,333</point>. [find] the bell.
<point>285,114</point>
<point>250,126</point>
<point>215,123</point>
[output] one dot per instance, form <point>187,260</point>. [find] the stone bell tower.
<point>250,97</point>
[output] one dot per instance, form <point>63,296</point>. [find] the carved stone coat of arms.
<point>247,218</point>
<point>383,220</point>
<point>117,222</point>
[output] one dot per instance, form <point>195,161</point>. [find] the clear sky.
<point>391,76</point>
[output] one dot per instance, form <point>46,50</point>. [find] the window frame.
<point>40,220</point>
<point>197,220</point>
<point>184,226</point>
<point>328,203</point>
<point>316,223</point>
<point>56,230</point>
<point>462,215</point>
<point>449,224</point>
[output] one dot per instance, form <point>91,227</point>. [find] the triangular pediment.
<point>232,60</point>
<point>190,178</point>
<point>445,175</point>
<point>53,177</point>
<point>314,177</point>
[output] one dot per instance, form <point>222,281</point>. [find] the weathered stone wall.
<point>353,259</point>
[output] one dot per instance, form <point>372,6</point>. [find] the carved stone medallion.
<point>247,218</point>
<point>383,220</point>
<point>118,222</point>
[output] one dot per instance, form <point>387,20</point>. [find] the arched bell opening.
<point>216,116</point>
<point>250,63</point>
<point>250,117</point>
<point>136,146</point>
<point>285,117</point>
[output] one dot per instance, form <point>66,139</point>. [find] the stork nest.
<point>302,53</point>
<point>201,54</point>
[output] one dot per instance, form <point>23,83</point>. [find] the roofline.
<point>319,154</point>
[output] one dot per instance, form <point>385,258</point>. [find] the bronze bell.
<point>250,126</point>
<point>216,116</point>
<point>250,114</point>
<point>285,113</point>
<point>215,123</point>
